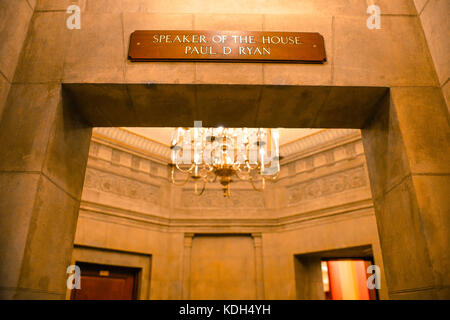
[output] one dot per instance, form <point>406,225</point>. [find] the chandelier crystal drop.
<point>205,155</point>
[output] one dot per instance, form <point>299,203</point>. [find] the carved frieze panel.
<point>94,149</point>
<point>115,156</point>
<point>328,185</point>
<point>329,156</point>
<point>121,186</point>
<point>215,199</point>
<point>350,150</point>
<point>135,162</point>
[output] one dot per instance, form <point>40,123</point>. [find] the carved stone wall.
<point>323,164</point>
<point>328,185</point>
<point>214,199</point>
<point>121,186</point>
<point>321,201</point>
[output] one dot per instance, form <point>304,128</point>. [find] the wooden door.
<point>102,282</point>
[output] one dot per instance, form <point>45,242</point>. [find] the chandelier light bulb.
<point>223,154</point>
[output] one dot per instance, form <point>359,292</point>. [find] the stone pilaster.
<point>259,267</point>
<point>188,237</point>
<point>407,147</point>
<point>43,156</point>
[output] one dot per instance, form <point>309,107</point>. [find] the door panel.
<point>102,282</point>
<point>223,267</point>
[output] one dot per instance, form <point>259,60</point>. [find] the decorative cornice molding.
<point>317,142</point>
<point>133,141</point>
<point>115,215</point>
<point>314,143</point>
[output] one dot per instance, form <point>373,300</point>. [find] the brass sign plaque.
<point>227,46</point>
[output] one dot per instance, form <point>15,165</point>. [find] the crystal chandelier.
<point>209,154</point>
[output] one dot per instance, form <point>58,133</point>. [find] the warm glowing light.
<point>223,153</point>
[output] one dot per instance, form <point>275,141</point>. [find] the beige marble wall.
<point>40,138</point>
<point>321,202</point>
<point>408,170</point>
<point>15,17</point>
<point>436,26</point>
<point>217,262</point>
<point>42,179</point>
<point>77,56</point>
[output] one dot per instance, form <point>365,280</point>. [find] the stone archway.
<point>47,129</point>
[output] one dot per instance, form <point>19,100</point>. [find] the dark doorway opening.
<point>104,282</point>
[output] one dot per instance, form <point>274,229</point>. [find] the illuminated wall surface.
<point>348,280</point>
<point>70,193</point>
<point>208,246</point>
